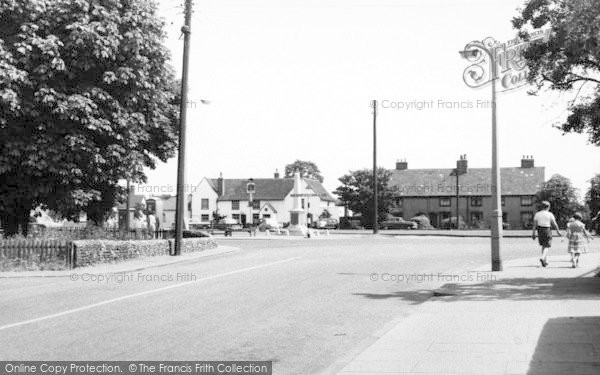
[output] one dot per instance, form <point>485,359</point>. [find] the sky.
<point>291,80</point>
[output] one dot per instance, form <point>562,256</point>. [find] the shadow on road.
<point>518,289</point>
<point>413,297</point>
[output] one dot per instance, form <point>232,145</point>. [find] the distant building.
<point>228,198</point>
<point>135,200</point>
<point>434,192</point>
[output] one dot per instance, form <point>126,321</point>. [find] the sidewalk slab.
<point>526,320</point>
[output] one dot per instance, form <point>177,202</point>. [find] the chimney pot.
<point>462,164</point>
<point>527,161</point>
<point>401,165</point>
<point>220,185</point>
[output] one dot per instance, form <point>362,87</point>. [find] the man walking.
<point>544,221</point>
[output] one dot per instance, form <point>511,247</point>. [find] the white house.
<point>272,199</point>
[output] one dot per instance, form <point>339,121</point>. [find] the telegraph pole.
<point>496,188</point>
<point>375,224</point>
<point>180,209</point>
<point>128,207</point>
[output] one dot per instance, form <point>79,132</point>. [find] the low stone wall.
<point>89,252</point>
<point>192,245</point>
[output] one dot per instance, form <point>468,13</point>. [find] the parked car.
<point>330,223</point>
<point>399,223</point>
<point>422,221</point>
<point>268,223</point>
<point>226,223</point>
<point>350,222</point>
<point>450,223</point>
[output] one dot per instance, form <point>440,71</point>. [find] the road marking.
<point>25,322</point>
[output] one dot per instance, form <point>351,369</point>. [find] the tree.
<point>569,57</point>
<point>307,169</point>
<point>86,99</point>
<point>592,196</point>
<point>562,196</point>
<point>356,192</point>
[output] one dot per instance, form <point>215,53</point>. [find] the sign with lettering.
<point>510,66</point>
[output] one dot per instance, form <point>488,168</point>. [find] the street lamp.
<point>375,203</point>
<point>472,52</point>
<point>250,189</point>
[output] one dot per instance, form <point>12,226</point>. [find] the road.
<point>304,304</point>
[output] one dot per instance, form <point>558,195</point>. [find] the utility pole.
<point>457,198</point>
<point>128,207</point>
<point>375,208</point>
<point>179,217</point>
<point>496,188</point>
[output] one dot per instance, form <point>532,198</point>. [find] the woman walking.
<point>576,233</point>
<point>544,221</point>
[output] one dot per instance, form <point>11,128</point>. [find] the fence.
<point>37,250</point>
<point>87,233</point>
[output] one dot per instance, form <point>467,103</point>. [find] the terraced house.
<point>440,192</point>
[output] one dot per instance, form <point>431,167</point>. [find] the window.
<point>476,201</point>
<point>204,204</point>
<point>503,199</point>
<point>256,204</point>
<point>266,216</point>
<point>236,217</point>
<point>444,202</point>
<point>526,201</point>
<point>235,205</point>
<point>476,220</point>
<point>302,203</point>
<point>204,217</point>
<point>255,218</point>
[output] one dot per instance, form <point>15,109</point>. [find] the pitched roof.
<point>476,182</point>
<point>318,188</point>
<point>266,188</point>
<point>269,206</point>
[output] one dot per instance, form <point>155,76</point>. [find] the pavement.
<point>337,233</point>
<point>523,320</point>
<point>131,265</point>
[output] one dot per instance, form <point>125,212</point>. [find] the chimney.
<point>220,185</point>
<point>462,164</point>
<point>527,161</point>
<point>276,175</point>
<point>401,165</point>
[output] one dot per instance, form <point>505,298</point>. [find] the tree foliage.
<point>86,99</point>
<point>562,196</point>
<point>592,196</point>
<point>307,169</point>
<point>356,192</point>
<point>569,57</point>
